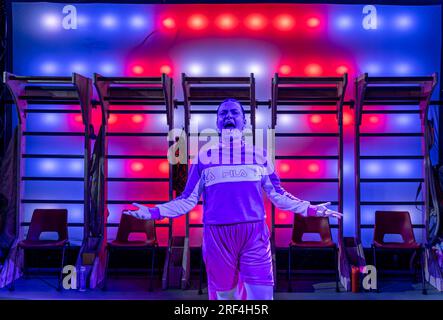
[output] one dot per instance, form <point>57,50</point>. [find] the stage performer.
<point>236,239</point>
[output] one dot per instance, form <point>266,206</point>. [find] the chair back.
<point>129,224</point>
<point>393,222</point>
<point>319,225</point>
<point>48,220</point>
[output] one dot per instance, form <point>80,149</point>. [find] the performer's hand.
<point>321,210</point>
<point>142,213</point>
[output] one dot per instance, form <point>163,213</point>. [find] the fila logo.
<point>235,173</point>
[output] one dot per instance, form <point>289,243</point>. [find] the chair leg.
<point>422,267</point>
<point>105,280</point>
<point>152,269</point>
<point>337,288</point>
<point>413,267</point>
<point>374,256</point>
<point>200,276</point>
<point>289,269</point>
<point>12,284</point>
<point>60,277</point>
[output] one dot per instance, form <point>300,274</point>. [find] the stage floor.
<point>135,288</point>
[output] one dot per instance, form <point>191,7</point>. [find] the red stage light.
<point>313,22</point>
<point>165,69</point>
<point>193,215</point>
<point>197,22</point>
<point>313,69</point>
<point>169,23</point>
<point>347,118</point>
<point>137,69</point>
<point>112,119</point>
<point>313,167</point>
<point>282,216</point>
<point>285,69</point>
<point>164,167</point>
<point>342,70</point>
<point>226,22</point>
<point>284,22</point>
<point>137,118</point>
<point>284,167</point>
<point>78,118</point>
<point>137,166</point>
<point>374,119</point>
<point>256,21</point>
<point>315,119</point>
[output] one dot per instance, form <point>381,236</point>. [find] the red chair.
<point>46,220</point>
<point>396,222</point>
<point>128,225</point>
<point>316,225</point>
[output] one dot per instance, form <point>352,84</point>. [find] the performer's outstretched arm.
<point>286,201</point>
<point>177,207</point>
<point>281,198</point>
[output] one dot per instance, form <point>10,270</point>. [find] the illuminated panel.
<point>138,145</point>
<point>75,211</point>
<point>54,167</point>
<point>222,40</point>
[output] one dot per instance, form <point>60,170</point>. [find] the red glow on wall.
<point>164,167</point>
<point>282,216</point>
<point>342,70</point>
<point>285,69</point>
<point>256,21</point>
<point>165,69</point>
<point>197,22</point>
<point>284,22</point>
<point>78,118</point>
<point>137,166</point>
<point>169,23</point>
<point>374,119</point>
<point>112,119</point>
<point>313,69</point>
<point>137,118</point>
<point>316,119</point>
<point>347,118</point>
<point>284,167</point>
<point>313,22</point>
<point>137,69</point>
<point>314,168</point>
<point>193,215</point>
<point>226,21</point>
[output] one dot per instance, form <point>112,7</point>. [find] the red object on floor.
<point>355,279</point>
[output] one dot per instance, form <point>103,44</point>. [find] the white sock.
<point>227,295</point>
<point>259,292</point>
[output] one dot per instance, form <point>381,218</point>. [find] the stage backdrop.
<point>223,40</point>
